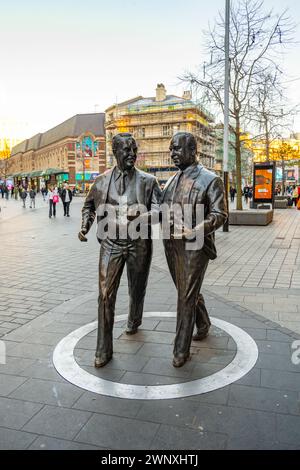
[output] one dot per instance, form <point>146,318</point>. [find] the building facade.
<point>73,151</point>
<point>153,121</point>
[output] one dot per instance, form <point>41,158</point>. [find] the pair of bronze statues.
<point>124,188</point>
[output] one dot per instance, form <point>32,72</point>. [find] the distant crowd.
<point>52,195</point>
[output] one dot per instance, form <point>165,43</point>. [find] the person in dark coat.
<point>66,197</point>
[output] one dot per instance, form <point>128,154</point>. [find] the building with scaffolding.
<point>153,121</point>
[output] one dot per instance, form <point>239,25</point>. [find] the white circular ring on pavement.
<point>244,360</point>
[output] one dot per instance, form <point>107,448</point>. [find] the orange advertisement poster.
<point>263,183</point>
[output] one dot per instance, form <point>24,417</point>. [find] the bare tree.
<point>269,111</point>
<point>256,38</point>
<point>3,168</point>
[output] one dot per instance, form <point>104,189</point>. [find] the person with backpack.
<point>32,195</point>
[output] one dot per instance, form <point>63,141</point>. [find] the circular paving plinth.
<point>244,360</point>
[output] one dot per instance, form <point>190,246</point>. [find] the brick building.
<point>73,151</point>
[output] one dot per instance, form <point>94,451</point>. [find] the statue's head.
<point>125,150</point>
<point>183,148</point>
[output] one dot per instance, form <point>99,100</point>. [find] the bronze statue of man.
<point>192,185</point>
<point>122,187</point>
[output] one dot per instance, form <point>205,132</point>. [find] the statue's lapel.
<point>140,181</point>
<point>189,183</point>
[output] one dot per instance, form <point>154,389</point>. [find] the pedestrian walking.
<point>66,197</point>
<point>23,196</point>
<point>232,193</point>
<point>6,193</point>
<point>32,195</point>
<point>295,195</point>
<point>53,199</point>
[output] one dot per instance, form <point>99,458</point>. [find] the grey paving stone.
<point>149,323</point>
<point>30,351</point>
<point>117,433</point>
<point>239,443</point>
<point>172,437</point>
<point>150,337</point>
<point>41,370</point>
<point>259,398</point>
<point>108,374</point>
<point>108,405</point>
<point>275,335</point>
<point>273,347</point>
<point>248,322</point>
<point>159,366</point>
<point>45,338</point>
<point>253,378</point>
<point>14,365</point>
<point>276,362</point>
<point>135,378</point>
<point>288,429</point>
<point>15,440</point>
<point>15,413</point>
<point>168,326</point>
<point>155,350</point>
<point>201,370</point>
<point>57,327</point>
<point>128,362</point>
<point>280,380</point>
<point>214,356</point>
<point>49,392</point>
<point>236,421</point>
<point>50,443</point>
<point>9,383</point>
<point>256,333</point>
<point>179,412</point>
<point>127,347</point>
<point>58,422</point>
<point>218,397</point>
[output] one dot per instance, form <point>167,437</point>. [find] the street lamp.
<point>226,108</point>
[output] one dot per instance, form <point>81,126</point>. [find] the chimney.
<point>187,95</point>
<point>161,93</point>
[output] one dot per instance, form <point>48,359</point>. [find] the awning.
<point>53,171</point>
<point>36,173</point>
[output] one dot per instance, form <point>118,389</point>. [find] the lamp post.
<point>226,108</point>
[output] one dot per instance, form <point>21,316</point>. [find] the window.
<point>166,130</point>
<point>142,132</point>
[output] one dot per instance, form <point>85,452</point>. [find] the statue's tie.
<point>122,183</point>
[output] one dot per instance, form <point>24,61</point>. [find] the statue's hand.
<point>81,235</point>
<point>184,233</point>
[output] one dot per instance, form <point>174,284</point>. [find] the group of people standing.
<point>53,197</point>
<point>247,192</point>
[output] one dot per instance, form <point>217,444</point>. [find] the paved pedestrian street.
<point>48,309</point>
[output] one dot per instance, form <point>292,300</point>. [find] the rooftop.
<point>73,127</point>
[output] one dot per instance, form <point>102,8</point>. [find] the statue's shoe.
<point>131,331</point>
<point>201,334</point>
<point>102,361</point>
<point>180,361</point>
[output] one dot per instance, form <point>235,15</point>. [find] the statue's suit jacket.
<point>147,190</point>
<point>205,187</point>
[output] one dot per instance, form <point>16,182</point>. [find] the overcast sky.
<point>63,57</point>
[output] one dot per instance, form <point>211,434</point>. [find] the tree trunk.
<point>267,141</point>
<point>239,197</point>
<point>283,177</point>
